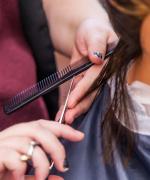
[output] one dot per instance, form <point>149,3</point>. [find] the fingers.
<point>96,49</point>
<point>29,177</point>
<point>45,133</point>
<point>92,49</point>
<point>64,131</point>
<point>21,146</point>
<point>45,128</point>
<point>81,108</point>
<point>96,41</point>
<point>54,148</point>
<point>52,145</point>
<point>83,86</point>
<point>10,160</point>
<point>76,104</point>
<point>40,163</point>
<point>93,37</point>
<point>58,115</point>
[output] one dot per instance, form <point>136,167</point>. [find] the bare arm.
<point>64,17</point>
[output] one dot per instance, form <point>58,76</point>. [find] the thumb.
<point>96,49</point>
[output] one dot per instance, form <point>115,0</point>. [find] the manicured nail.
<point>66,165</point>
<point>98,54</point>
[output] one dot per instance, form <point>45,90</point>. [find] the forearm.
<point>64,17</point>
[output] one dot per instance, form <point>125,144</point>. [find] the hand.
<point>93,35</point>
<point>15,141</point>
<point>51,177</point>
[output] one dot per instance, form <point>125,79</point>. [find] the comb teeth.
<point>24,96</point>
<point>64,71</point>
<point>47,84</point>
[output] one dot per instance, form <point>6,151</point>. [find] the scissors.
<point>61,120</point>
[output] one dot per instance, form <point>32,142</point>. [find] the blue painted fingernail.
<point>98,54</point>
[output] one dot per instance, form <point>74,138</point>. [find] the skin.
<point>15,141</point>
<point>67,17</point>
<point>83,38</point>
<point>92,35</point>
<point>81,33</point>
<point>86,30</point>
<point>140,70</point>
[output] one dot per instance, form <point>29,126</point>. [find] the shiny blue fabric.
<point>85,158</point>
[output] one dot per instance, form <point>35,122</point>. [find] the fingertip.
<point>80,134</point>
<point>60,166</point>
<point>96,57</point>
<point>66,165</point>
<point>58,114</point>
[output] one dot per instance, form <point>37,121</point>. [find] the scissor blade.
<point>63,112</point>
<point>66,102</point>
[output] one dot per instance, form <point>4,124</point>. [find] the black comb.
<point>47,85</point>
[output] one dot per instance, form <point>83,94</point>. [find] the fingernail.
<point>98,54</point>
<point>66,165</point>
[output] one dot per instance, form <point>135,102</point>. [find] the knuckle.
<point>39,124</point>
<point>67,127</point>
<point>25,140</point>
<point>84,107</point>
<point>20,167</point>
<point>21,139</point>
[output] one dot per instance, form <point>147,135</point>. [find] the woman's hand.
<point>15,142</point>
<point>94,36</point>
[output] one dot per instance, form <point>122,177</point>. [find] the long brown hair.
<point>126,17</point>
